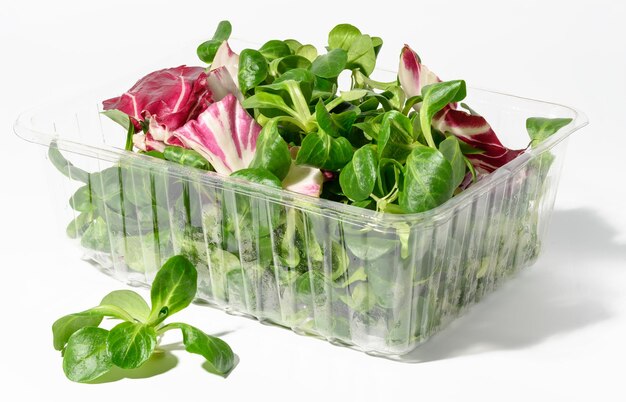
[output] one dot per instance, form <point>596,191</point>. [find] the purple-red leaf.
<point>225,134</point>
<point>171,96</point>
<point>476,132</point>
<point>471,129</point>
<point>413,75</point>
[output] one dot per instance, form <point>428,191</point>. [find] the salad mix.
<point>276,116</point>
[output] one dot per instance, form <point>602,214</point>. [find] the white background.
<point>556,332</point>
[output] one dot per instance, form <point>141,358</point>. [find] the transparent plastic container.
<point>377,282</point>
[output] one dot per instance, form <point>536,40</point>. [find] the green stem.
<point>129,136</point>
<point>299,103</point>
<point>361,78</point>
<point>334,103</point>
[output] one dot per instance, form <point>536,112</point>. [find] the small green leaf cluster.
<point>90,351</point>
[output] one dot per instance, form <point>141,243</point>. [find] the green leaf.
<point>324,121</point>
<point>307,51</point>
<point>118,116</point>
<point>64,327</point>
<point>436,97</point>
<point>64,166</point>
<point>353,95</point>
<point>540,128</point>
<point>266,100</point>
<point>258,175</point>
<point>206,51</point>
<point>186,157</point>
<point>131,344</point>
<point>395,138</point>
<point>223,30</point>
<point>253,69</point>
<point>96,236</point>
<point>361,55</point>
<point>275,49</point>
<point>303,77</point>
<point>129,301</point>
<point>218,354</point>
<point>174,286</point>
<point>79,225</point>
<point>314,149</point>
<point>331,64</point>
<point>340,154</point>
<point>81,199</point>
<point>293,44</point>
<point>427,180</point>
<point>284,64</point>
<point>87,356</point>
<point>358,178</point>
<point>342,36</point>
<point>451,150</point>
<point>377,43</point>
<point>272,152</point>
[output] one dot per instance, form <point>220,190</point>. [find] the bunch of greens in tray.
<point>276,115</point>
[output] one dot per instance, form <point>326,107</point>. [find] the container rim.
<point>332,209</point>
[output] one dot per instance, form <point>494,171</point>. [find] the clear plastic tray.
<point>381,283</point>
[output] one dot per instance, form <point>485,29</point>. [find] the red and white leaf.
<point>220,83</point>
<point>412,74</point>
<point>476,132</point>
<point>225,57</point>
<point>225,134</point>
<point>304,180</point>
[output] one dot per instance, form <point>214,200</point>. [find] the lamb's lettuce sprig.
<point>90,351</point>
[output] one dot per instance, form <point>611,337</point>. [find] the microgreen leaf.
<point>186,157</point>
<point>64,327</point>
<point>361,54</point>
<point>219,356</point>
<point>342,36</point>
<point>307,51</point>
<point>436,97</point>
<point>451,150</point>
<point>540,128</point>
<point>174,286</point>
<point>118,116</point>
<point>358,177</point>
<point>258,175</point>
<point>207,50</point>
<point>427,180</point>
<point>86,356</point>
<point>253,69</point>
<point>272,152</point>
<point>314,149</point>
<point>131,344</point>
<point>64,166</point>
<point>275,49</point>
<point>331,64</point>
<point>130,302</point>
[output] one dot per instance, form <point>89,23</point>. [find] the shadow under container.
<point>377,282</point>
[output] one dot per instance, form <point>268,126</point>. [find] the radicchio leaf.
<point>412,74</point>
<point>225,134</point>
<point>225,57</point>
<point>468,127</point>
<point>146,143</point>
<point>174,95</point>
<point>476,132</point>
<point>304,180</point>
<point>220,84</point>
